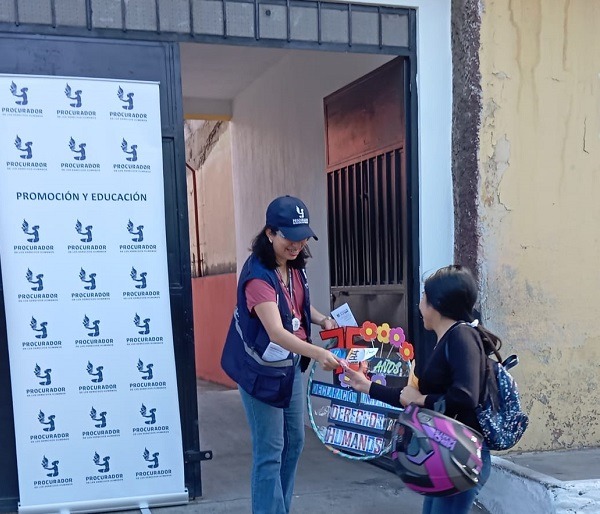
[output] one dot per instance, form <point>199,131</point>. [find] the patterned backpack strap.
<point>510,362</point>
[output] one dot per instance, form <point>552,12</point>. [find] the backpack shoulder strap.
<point>510,362</point>
<point>484,368</point>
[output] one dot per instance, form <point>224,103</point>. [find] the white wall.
<point>279,147</point>
<point>278,141</point>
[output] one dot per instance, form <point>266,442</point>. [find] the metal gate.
<point>369,207</point>
<point>367,246</point>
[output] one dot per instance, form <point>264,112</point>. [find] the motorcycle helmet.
<point>435,455</point>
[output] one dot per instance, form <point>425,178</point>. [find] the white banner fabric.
<point>86,291</point>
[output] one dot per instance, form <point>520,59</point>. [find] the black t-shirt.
<point>457,380</point>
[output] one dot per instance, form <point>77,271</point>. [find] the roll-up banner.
<point>84,269</point>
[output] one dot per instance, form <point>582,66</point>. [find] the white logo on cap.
<point>301,220</point>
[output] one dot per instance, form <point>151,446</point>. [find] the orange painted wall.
<point>214,301</point>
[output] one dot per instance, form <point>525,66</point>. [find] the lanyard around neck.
<point>289,287</point>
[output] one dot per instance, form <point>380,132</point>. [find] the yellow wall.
<point>540,207</point>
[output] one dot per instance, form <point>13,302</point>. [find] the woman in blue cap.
<point>269,333</point>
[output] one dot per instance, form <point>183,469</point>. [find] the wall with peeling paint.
<point>210,193</point>
<point>538,206</point>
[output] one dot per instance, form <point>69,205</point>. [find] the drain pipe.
<point>196,220</point>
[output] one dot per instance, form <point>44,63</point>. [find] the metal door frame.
<point>181,309</point>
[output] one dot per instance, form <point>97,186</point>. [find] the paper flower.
<point>383,333</point>
<point>343,380</point>
<point>407,352</point>
<point>368,331</point>
<point>397,337</point>
<point>379,379</point>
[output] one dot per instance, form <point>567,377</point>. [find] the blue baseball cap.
<point>290,216</point>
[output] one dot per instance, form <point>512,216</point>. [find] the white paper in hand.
<point>343,316</point>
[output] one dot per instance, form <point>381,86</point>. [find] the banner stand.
<point>133,503</point>
<point>86,293</point>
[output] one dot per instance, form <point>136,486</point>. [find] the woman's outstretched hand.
<point>327,360</point>
<point>357,379</point>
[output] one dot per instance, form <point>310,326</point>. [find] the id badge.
<point>295,324</point>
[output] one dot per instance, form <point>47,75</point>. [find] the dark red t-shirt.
<point>258,291</point>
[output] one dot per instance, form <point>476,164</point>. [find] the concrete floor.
<point>328,484</point>
<point>325,483</point>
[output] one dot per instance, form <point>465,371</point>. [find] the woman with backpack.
<point>452,381</point>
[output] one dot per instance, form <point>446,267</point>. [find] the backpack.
<point>500,415</point>
<point>502,420</point>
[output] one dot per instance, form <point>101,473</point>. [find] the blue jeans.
<point>277,441</point>
<point>460,503</point>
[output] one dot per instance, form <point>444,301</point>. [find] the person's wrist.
<point>319,353</point>
<point>325,320</point>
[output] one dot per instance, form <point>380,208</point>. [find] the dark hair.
<point>452,291</point>
<point>263,249</point>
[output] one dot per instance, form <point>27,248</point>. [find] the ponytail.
<point>491,342</point>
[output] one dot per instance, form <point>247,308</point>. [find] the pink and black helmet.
<point>435,455</point>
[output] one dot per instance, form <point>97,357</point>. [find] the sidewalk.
<point>557,482</point>
<point>325,483</point>
<point>552,482</point>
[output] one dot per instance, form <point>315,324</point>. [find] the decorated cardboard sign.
<point>349,423</point>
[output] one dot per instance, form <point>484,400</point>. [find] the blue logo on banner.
<point>149,414</point>
<point>153,459</point>
<point>103,464</point>
<point>147,372</point>
<point>94,326</point>
<point>43,332</point>
<point>126,149</point>
<point>45,376</point>
<point>49,422</point>
<point>24,147</point>
<point>37,280</point>
<point>73,95</point>
<point>31,231</point>
<point>137,232</point>
<point>88,279</point>
<point>23,93</point>
<point>100,418</point>
<point>74,148</point>
<point>141,280</point>
<point>41,335</point>
<point>53,467</point>
<point>144,325</point>
<point>95,373</point>
<point>127,99</point>
<point>87,232</point>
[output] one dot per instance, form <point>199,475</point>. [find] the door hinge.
<point>197,455</point>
